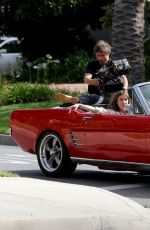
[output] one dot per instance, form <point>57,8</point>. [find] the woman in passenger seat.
<point>117,105</point>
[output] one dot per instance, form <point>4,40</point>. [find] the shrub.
<point>70,69</point>
<point>24,92</point>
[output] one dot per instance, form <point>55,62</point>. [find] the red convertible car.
<point>61,140</point>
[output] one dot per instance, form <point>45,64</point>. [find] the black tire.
<point>53,157</point>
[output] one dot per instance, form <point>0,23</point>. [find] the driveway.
<point>72,87</point>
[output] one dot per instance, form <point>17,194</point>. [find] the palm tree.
<point>128,36</point>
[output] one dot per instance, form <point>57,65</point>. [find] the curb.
<point>66,206</point>
<point>6,140</point>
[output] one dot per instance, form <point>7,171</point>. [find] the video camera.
<point>108,75</point>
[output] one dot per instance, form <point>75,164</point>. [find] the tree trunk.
<point>128,36</point>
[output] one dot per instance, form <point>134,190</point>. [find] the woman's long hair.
<point>114,99</point>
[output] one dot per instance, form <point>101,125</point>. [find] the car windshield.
<point>145,89</point>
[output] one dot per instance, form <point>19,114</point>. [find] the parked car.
<point>61,140</point>
<point>10,54</point>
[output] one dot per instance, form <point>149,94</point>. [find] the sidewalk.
<point>42,205</point>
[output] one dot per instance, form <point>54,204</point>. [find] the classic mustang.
<point>62,140</point>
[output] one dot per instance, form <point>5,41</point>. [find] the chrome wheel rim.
<point>51,153</point>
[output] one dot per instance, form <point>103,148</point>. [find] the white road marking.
<point>14,162</point>
<point>17,158</point>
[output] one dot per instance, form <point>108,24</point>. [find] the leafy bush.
<point>48,70</point>
<point>24,92</point>
<point>69,70</point>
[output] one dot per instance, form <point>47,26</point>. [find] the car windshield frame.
<point>142,93</point>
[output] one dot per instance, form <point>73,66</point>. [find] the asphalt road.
<point>128,184</point>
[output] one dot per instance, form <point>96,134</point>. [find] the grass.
<point>8,174</point>
<point>5,112</point>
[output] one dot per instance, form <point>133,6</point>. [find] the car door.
<point>147,131</point>
<point>115,137</point>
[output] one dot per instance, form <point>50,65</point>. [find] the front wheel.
<point>53,157</point>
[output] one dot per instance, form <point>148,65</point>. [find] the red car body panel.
<point>108,137</point>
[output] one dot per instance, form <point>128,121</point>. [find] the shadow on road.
<point>90,177</point>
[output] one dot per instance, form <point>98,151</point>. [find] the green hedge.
<point>23,93</point>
